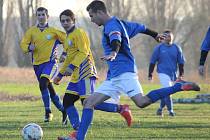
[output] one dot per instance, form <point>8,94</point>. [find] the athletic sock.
<point>57,102</point>
<point>164,92</point>
<point>87,116</point>
<point>46,99</point>
<point>108,107</point>
<point>73,116</point>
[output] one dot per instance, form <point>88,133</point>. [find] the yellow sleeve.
<point>83,44</point>
<point>26,41</point>
<point>61,36</point>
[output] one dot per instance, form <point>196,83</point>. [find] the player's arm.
<point>26,42</point>
<point>61,36</point>
<point>150,72</point>
<point>181,71</point>
<point>135,28</point>
<point>203,57</point>
<point>181,61</point>
<point>115,46</point>
<point>153,60</point>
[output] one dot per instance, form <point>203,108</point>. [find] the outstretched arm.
<point>154,34</point>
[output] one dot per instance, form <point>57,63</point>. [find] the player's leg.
<point>160,109</point>
<point>166,81</point>
<point>111,105</point>
<point>72,112</point>
<point>57,102</point>
<point>89,104</point>
<point>49,71</point>
<point>87,113</point>
<point>169,104</point>
<point>72,94</point>
<point>44,91</point>
<point>153,96</point>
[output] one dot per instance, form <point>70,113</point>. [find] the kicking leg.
<point>153,96</point>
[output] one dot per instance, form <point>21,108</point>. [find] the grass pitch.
<point>192,121</point>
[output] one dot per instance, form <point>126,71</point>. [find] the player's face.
<point>66,22</point>
<point>42,17</point>
<point>95,17</point>
<point>168,38</point>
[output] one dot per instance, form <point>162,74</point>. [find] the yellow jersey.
<point>77,48</point>
<point>44,42</point>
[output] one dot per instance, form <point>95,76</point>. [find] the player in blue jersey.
<point>205,47</point>
<point>167,55</point>
<point>41,40</point>
<point>122,71</point>
<point>79,63</point>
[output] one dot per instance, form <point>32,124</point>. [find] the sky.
<point>55,7</point>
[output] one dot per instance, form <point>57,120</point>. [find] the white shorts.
<point>126,83</point>
<point>165,80</point>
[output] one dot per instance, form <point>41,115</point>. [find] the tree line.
<point>187,19</point>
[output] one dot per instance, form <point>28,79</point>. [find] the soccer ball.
<point>32,131</point>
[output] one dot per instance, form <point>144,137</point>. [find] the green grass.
<point>191,121</point>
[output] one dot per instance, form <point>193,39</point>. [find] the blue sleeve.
<point>206,42</point>
<point>113,31</point>
<point>134,28</point>
<point>181,58</point>
<point>155,55</point>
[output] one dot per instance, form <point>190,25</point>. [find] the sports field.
<point>20,104</point>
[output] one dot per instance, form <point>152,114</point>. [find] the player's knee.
<point>88,104</point>
<point>43,83</point>
<point>143,103</point>
<point>69,100</point>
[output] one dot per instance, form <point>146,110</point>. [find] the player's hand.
<point>160,37</point>
<point>201,70</point>
<point>31,47</point>
<point>180,78</point>
<point>110,57</point>
<point>68,72</point>
<point>56,80</point>
<point>150,78</point>
<point>62,58</point>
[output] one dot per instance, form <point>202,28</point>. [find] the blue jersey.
<point>206,42</point>
<point>167,58</point>
<point>115,29</point>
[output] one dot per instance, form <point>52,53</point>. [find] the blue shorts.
<point>48,70</point>
<point>83,88</point>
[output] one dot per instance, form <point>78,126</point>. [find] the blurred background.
<point>189,21</point>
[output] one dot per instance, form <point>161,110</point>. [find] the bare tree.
<point>1,32</point>
<point>27,10</point>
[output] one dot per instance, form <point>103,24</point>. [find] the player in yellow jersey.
<point>80,65</point>
<point>41,40</point>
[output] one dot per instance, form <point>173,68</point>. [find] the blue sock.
<point>46,99</point>
<point>162,104</point>
<point>87,116</point>
<point>57,102</point>
<point>73,116</point>
<point>164,92</point>
<point>108,107</point>
<point>169,103</point>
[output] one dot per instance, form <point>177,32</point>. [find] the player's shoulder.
<point>34,27</point>
<point>112,24</point>
<point>79,30</point>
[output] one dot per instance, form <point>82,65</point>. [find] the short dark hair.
<point>97,5</point>
<point>42,9</point>
<point>168,31</point>
<point>68,13</point>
